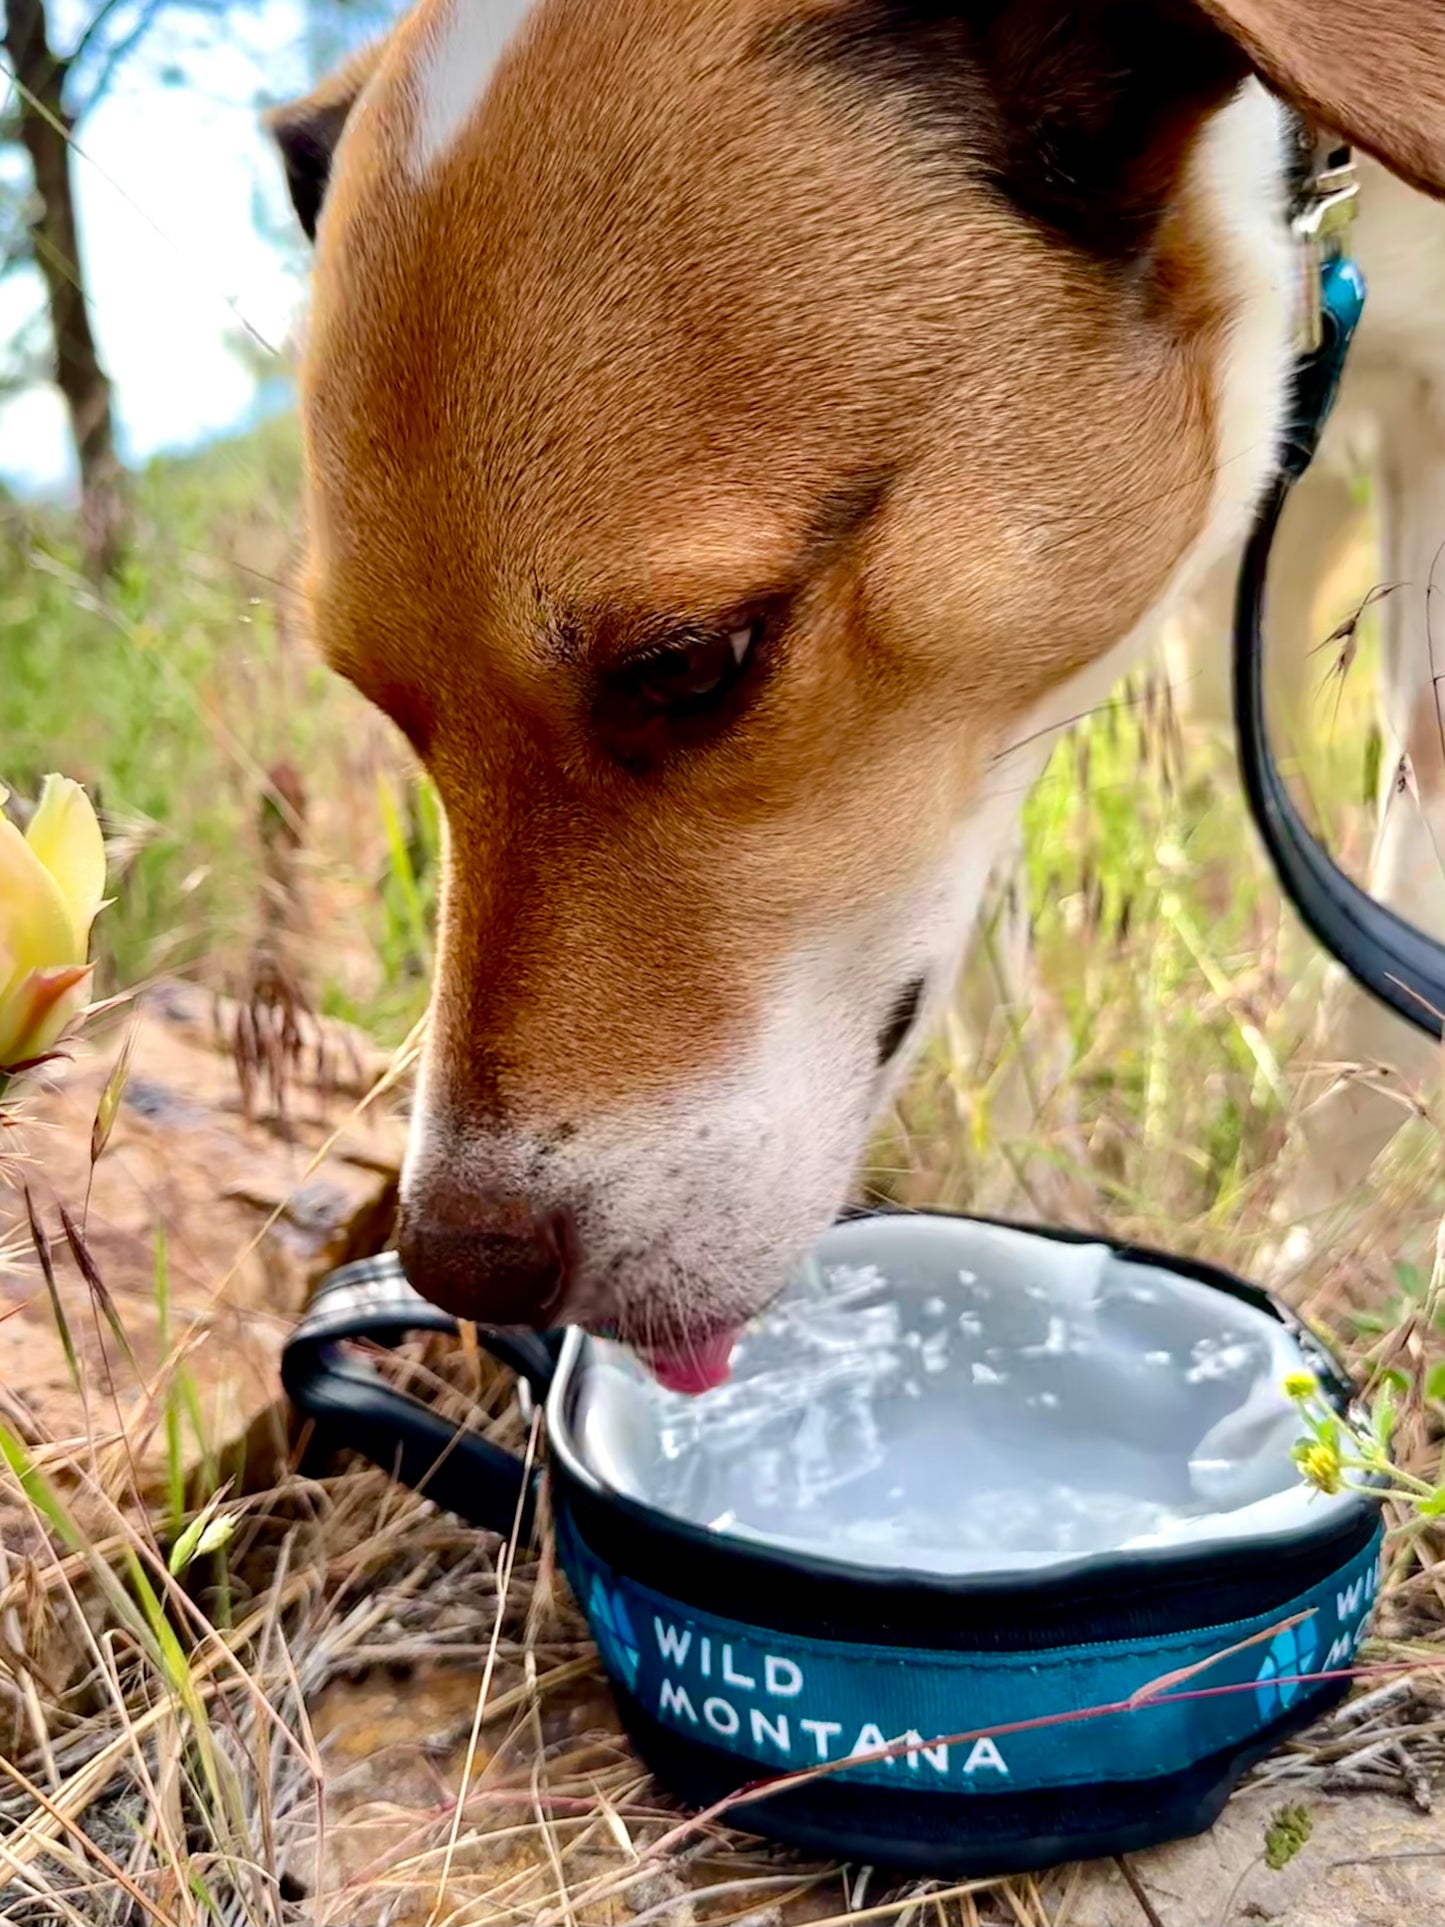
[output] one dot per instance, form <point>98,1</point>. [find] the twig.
<point>1137,1888</point>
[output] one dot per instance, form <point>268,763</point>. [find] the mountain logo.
<point>612,1629</point>
<point>1289,1656</point>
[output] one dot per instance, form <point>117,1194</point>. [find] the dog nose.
<point>488,1258</point>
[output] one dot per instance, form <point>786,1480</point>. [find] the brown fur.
<point>724,306</point>
<point>810,308</point>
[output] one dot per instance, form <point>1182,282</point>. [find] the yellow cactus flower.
<point>52,881</point>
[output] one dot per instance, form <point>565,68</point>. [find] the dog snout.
<point>492,1258</point>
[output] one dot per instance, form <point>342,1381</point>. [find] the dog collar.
<point>1322,212</point>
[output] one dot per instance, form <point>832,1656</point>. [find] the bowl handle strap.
<point>354,1407</point>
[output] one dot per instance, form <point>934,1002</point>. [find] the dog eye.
<point>691,674</point>
<point>645,704</point>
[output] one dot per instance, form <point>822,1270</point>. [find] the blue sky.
<point>181,203</point>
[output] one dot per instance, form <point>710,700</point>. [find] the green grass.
<point>173,697</point>
<point>1153,1080</point>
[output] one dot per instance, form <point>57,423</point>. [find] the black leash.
<point>1400,965</point>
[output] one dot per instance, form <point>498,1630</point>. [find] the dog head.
<point>736,430</point>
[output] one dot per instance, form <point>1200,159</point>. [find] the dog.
<point>738,433</point>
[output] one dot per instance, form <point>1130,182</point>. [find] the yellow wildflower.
<point>1320,1464</point>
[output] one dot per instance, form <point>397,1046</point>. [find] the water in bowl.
<point>933,1394</point>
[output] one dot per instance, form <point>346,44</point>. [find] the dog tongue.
<point>695,1366</point>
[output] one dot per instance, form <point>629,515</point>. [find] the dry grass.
<point>200,1771</point>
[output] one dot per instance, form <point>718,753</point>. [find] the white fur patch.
<point>1240,166</point>
<point>464,40</point>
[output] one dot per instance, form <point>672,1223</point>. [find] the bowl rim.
<point>1348,1516</point>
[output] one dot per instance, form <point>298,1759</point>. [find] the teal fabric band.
<point>784,1703</point>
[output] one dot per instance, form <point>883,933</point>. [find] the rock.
<point>1369,1861</point>
<point>228,1219</point>
<point>395,1756</point>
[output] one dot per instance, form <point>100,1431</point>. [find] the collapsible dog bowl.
<point>995,1532</point>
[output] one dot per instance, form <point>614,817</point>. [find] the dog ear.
<point>307,130</point>
<point>1371,70</point>
<point>1081,113</point>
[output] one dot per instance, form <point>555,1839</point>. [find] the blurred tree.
<point>50,94</point>
<point>62,57</point>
